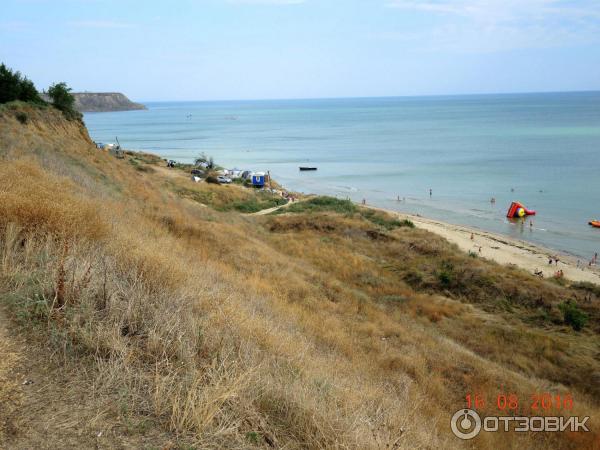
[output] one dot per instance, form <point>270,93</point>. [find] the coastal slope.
<point>139,309</point>
<point>104,102</point>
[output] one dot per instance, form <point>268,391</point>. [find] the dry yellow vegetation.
<point>179,324</point>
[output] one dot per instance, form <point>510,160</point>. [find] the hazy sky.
<point>243,49</point>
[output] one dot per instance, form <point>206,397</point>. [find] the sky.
<point>259,49</point>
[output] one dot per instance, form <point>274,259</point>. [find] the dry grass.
<point>303,330</point>
<point>28,196</point>
<point>10,397</point>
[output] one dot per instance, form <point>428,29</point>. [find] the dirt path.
<point>263,212</point>
<point>169,172</point>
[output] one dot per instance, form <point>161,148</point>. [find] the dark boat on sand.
<point>307,168</point>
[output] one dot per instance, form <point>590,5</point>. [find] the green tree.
<point>14,86</point>
<point>63,100</point>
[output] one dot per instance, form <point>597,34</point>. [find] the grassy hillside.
<point>177,321</point>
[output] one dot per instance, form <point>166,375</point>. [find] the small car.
<point>223,180</point>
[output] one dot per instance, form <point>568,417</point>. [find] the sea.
<point>443,157</point>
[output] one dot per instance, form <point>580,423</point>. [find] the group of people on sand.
<point>559,273</point>
<point>553,259</point>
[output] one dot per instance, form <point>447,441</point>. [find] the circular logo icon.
<point>465,424</point>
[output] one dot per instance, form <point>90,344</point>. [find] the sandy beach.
<point>505,250</point>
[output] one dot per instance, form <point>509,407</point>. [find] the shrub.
<point>384,220</point>
<point>407,223</point>
<point>323,203</point>
<point>22,117</point>
<point>63,100</point>
<point>14,86</point>
<point>446,275</point>
<point>572,315</point>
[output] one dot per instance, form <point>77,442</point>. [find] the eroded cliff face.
<point>104,101</point>
<point>42,130</point>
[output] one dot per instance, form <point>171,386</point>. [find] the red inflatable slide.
<point>517,210</point>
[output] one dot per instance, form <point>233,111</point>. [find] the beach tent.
<point>258,179</point>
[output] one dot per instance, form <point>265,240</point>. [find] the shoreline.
<point>503,249</point>
<point>497,247</point>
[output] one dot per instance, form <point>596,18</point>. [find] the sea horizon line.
<point>374,97</point>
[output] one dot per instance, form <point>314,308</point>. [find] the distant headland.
<point>104,102</point>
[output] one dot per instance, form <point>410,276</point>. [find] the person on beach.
<point>472,236</point>
<point>550,259</point>
<point>364,201</point>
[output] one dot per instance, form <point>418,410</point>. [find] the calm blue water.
<point>467,149</point>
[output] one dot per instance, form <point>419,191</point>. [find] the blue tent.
<point>258,180</point>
